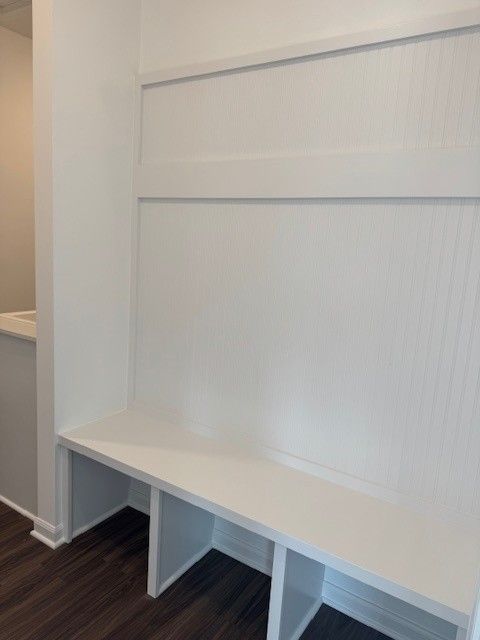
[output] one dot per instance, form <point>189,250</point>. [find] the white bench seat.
<point>422,560</point>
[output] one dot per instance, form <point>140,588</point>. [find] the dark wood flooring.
<point>94,589</point>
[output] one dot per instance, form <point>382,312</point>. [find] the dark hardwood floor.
<point>94,589</point>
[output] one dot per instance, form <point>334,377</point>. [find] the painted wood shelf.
<point>426,562</point>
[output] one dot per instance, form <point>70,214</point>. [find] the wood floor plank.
<point>95,589</point>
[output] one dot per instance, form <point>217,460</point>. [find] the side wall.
<point>84,75</point>
<point>17,255</point>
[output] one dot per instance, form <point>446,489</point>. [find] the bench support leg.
<point>276,592</point>
<point>153,583</point>
<point>180,535</point>
<point>66,475</point>
<point>295,595</point>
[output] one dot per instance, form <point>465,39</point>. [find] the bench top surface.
<point>423,560</point>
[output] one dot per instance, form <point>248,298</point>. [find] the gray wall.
<point>18,422</point>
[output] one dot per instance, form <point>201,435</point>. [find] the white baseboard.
<point>47,533</point>
<point>138,499</point>
<point>53,536</point>
<point>17,508</point>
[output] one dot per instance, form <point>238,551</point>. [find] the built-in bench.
<point>421,560</point>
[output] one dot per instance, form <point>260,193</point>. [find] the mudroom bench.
<point>421,560</point>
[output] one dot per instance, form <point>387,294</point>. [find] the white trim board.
<point>433,173</point>
<point>372,489</point>
<point>426,25</point>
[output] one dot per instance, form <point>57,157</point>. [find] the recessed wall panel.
<point>411,94</point>
<point>344,333</point>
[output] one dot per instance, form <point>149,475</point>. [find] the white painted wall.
<point>178,33</point>
<point>84,78</point>
<point>17,256</point>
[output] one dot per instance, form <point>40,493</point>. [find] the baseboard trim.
<point>375,616</point>
<point>53,536</point>
<point>139,501</point>
<point>242,551</point>
<point>47,533</point>
<point>16,507</point>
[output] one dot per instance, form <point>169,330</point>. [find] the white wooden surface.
<point>310,128</point>
<point>302,595</point>
<point>418,174</point>
<point>343,334</point>
<point>406,95</point>
<point>180,534</point>
<point>276,591</point>
<point>423,561</point>
<point>186,536</point>
<point>154,542</point>
<point>66,468</point>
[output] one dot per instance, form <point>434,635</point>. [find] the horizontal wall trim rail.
<point>424,26</point>
<point>434,173</point>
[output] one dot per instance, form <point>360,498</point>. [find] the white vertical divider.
<point>134,235</point>
<point>153,581</point>
<point>276,591</point>
<point>474,626</point>
<point>66,488</point>
<point>180,535</point>
<point>296,594</point>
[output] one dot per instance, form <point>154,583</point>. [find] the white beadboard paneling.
<point>414,94</point>
<point>344,333</point>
